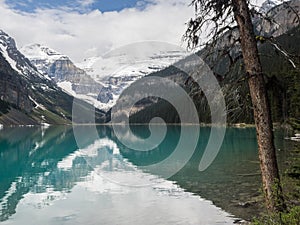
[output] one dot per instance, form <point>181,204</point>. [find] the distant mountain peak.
<point>38,51</point>
<point>42,57</point>
<point>63,72</point>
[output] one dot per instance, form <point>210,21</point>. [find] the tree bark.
<point>262,114</point>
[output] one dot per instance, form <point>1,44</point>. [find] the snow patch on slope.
<point>42,57</point>
<point>40,52</point>
<point>120,68</point>
<point>91,98</point>
<point>37,104</point>
<point>13,63</point>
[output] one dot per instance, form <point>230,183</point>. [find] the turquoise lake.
<point>45,178</point>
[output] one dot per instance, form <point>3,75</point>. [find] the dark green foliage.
<point>162,109</point>
<point>4,107</point>
<point>283,80</point>
<point>295,123</point>
<point>290,218</point>
<point>290,178</point>
<point>294,172</point>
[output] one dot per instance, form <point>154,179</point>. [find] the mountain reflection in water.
<point>43,171</point>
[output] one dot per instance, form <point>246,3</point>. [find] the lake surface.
<point>45,178</point>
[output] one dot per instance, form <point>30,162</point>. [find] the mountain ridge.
<point>29,98</point>
<point>100,80</point>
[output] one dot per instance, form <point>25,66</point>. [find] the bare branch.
<point>277,46</point>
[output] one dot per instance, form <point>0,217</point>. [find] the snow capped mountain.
<point>125,62</point>
<point>15,58</point>
<point>41,56</point>
<point>29,97</point>
<point>21,84</point>
<point>101,80</point>
<point>118,69</point>
<point>64,73</point>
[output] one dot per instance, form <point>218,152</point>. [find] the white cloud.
<point>94,33</point>
<point>83,35</point>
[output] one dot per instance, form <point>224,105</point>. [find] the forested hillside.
<point>282,81</point>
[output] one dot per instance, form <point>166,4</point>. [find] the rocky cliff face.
<point>52,63</point>
<point>12,88</point>
<point>29,97</point>
<point>284,17</point>
<point>63,72</point>
<point>16,59</point>
<point>16,75</point>
<point>41,57</point>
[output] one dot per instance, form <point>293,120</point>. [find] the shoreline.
<point>276,126</point>
<point>236,125</point>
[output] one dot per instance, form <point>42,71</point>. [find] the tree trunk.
<point>262,114</point>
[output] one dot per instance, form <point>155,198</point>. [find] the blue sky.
<point>79,5</point>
